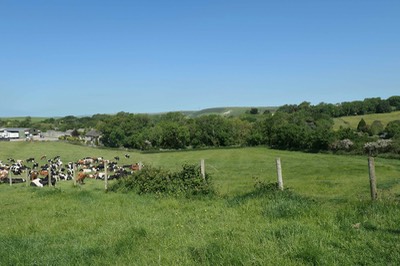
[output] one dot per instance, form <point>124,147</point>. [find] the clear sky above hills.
<point>71,57</point>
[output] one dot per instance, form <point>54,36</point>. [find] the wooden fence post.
<point>28,179</point>
<point>49,176</point>
<point>10,177</point>
<point>279,173</point>
<point>203,169</point>
<point>74,173</point>
<point>105,176</point>
<point>372,177</point>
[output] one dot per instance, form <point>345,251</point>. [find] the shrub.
<point>376,128</point>
<point>342,145</point>
<point>151,180</point>
<point>379,146</point>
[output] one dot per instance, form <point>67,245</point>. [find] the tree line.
<point>302,127</point>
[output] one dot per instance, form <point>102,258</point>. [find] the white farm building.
<point>14,133</point>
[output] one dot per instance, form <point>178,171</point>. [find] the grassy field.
<point>325,217</point>
<point>352,121</point>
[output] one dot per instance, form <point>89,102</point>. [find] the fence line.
<point>371,171</point>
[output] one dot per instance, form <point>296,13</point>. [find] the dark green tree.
<point>254,111</point>
<point>394,102</point>
<point>75,133</point>
<point>27,122</point>
<point>362,126</point>
<point>383,107</point>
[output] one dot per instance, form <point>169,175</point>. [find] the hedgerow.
<point>152,180</point>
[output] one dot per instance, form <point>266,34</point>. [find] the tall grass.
<point>324,217</point>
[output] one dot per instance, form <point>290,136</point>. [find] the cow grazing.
<point>100,175</point>
<point>87,170</point>
<point>81,177</point>
<point>136,166</point>
<point>33,175</point>
<point>3,174</point>
<point>43,157</point>
<point>44,172</point>
<point>116,158</point>
<point>63,176</point>
<point>30,160</point>
<point>17,168</point>
<point>127,156</point>
<point>38,182</point>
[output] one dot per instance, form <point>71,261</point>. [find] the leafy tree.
<point>27,122</point>
<point>256,134</point>
<point>328,109</point>
<point>394,102</point>
<point>173,135</point>
<point>174,117</point>
<point>383,107</point>
<point>253,111</point>
<point>301,130</point>
<point>288,108</point>
<point>112,131</point>
<point>306,106</point>
<point>346,133</point>
<point>322,135</point>
<point>267,112</point>
<point>371,104</point>
<point>240,131</point>
<point>210,130</point>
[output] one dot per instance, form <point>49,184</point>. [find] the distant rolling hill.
<point>227,111</point>
<point>224,111</point>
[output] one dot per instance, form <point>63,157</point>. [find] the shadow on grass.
<point>261,190</point>
<point>276,204</point>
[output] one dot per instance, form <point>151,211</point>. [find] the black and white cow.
<point>41,182</point>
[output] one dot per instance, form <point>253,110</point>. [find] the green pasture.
<point>352,121</point>
<point>324,216</point>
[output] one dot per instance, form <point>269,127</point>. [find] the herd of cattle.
<point>53,170</point>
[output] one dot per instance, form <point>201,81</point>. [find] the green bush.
<point>151,180</point>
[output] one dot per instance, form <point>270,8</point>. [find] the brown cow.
<point>33,175</point>
<point>136,166</point>
<point>3,174</point>
<point>81,177</point>
<point>44,173</point>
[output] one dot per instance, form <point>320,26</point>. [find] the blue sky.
<point>61,58</point>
